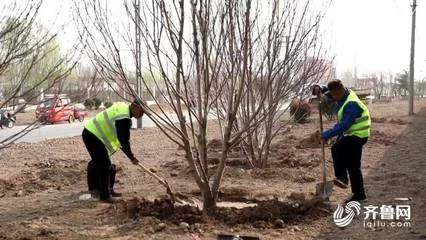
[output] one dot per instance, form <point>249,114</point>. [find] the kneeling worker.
<point>103,135</point>
<point>352,131</point>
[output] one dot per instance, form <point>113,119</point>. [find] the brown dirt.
<point>382,137</point>
<point>262,215</point>
<point>162,209</point>
<point>267,212</point>
<point>41,182</point>
<point>311,141</point>
<point>390,120</point>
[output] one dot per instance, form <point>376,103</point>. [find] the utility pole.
<point>137,4</point>
<point>413,38</point>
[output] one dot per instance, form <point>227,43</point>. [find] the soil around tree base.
<point>263,214</point>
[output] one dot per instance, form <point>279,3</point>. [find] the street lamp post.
<point>413,38</point>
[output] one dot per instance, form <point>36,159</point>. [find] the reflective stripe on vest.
<point>107,143</point>
<point>361,125</point>
<point>361,119</point>
<point>103,125</point>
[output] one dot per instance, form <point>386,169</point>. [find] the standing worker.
<point>352,131</point>
<point>103,135</point>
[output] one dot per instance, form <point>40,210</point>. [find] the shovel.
<point>161,181</point>
<point>325,188</point>
<point>175,200</point>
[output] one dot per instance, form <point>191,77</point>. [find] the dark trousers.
<point>93,178</point>
<point>347,153</point>
<point>100,171</point>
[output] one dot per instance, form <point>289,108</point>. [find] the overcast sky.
<point>373,35</point>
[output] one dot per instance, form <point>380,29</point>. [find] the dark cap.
<point>335,84</point>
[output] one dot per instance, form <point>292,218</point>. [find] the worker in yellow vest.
<point>103,135</point>
<point>352,131</point>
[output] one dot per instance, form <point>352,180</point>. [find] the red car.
<point>58,109</point>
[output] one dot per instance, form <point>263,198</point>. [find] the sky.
<point>370,35</point>
<point>375,35</point>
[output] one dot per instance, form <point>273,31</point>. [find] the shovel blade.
<point>324,189</point>
<point>169,191</point>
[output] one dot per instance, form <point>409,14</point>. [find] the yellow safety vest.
<point>103,125</point>
<point>361,126</point>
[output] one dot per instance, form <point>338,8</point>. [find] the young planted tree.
<point>285,59</point>
<point>201,52</point>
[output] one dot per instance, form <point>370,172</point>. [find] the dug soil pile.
<point>311,141</point>
<point>264,214</point>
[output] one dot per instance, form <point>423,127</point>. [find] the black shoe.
<point>340,183</point>
<point>109,200</point>
<point>358,198</point>
<point>116,194</point>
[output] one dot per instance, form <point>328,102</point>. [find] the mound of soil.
<point>311,141</point>
<point>291,160</point>
<point>162,209</point>
<point>264,214</point>
<point>27,181</point>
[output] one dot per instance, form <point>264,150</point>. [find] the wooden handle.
<point>152,174</point>
<point>324,172</point>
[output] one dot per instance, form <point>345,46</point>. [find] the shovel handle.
<point>152,174</point>
<point>324,173</point>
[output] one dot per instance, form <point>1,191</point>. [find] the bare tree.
<point>87,82</point>
<point>378,86</point>
<point>202,52</point>
<point>24,46</point>
<point>288,59</point>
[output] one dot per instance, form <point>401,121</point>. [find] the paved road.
<point>60,130</point>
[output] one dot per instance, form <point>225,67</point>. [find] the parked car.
<point>57,109</point>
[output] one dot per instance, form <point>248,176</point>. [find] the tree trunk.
<point>209,201</point>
